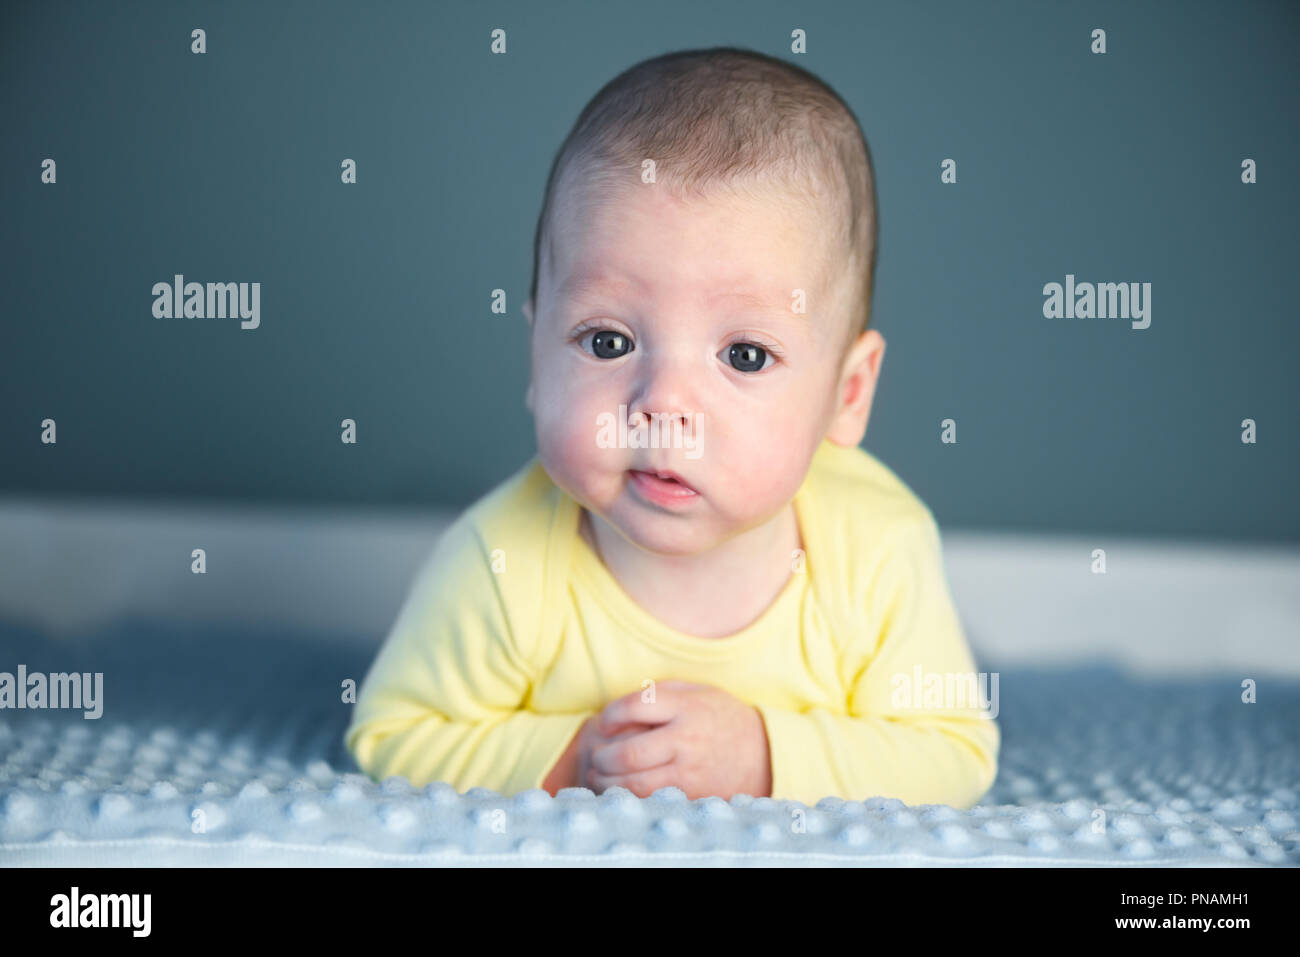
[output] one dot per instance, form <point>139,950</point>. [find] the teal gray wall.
<point>375,297</point>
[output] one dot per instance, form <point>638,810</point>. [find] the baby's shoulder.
<point>861,501</point>
<point>493,564</point>
<point>517,518</point>
<point>875,533</point>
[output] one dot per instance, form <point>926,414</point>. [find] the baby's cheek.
<point>575,437</point>
<point>762,486</point>
<point>566,438</point>
<point>558,422</point>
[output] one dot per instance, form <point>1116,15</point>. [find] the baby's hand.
<point>703,740</point>
<point>593,736</point>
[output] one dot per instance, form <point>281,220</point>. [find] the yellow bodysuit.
<point>515,632</point>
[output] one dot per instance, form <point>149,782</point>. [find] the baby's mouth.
<point>662,486</point>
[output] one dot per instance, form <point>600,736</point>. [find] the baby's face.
<point>659,305</point>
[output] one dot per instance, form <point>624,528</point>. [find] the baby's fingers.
<point>617,731</point>
<point>634,752</point>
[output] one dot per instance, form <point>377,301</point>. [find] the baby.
<point>739,599</point>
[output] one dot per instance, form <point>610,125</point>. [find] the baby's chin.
<point>696,530</point>
<point>666,535</point>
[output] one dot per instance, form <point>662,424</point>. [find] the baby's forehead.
<point>590,282</point>
<point>780,244</point>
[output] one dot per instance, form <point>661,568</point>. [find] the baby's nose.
<point>648,414</point>
<point>669,388</point>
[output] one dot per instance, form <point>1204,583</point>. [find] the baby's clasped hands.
<point>700,738</point>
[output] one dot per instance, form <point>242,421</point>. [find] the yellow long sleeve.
<point>445,699</point>
<point>921,741</point>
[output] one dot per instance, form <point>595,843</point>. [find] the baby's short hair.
<point>726,117</point>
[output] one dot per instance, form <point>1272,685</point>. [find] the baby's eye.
<point>608,344</point>
<point>748,357</point>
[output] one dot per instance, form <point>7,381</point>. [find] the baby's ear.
<point>857,388</point>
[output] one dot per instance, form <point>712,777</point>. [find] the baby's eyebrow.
<point>584,285</point>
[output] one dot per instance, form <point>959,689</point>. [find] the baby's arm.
<point>891,743</point>
<point>445,699</point>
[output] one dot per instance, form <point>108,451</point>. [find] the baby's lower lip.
<point>661,491</point>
